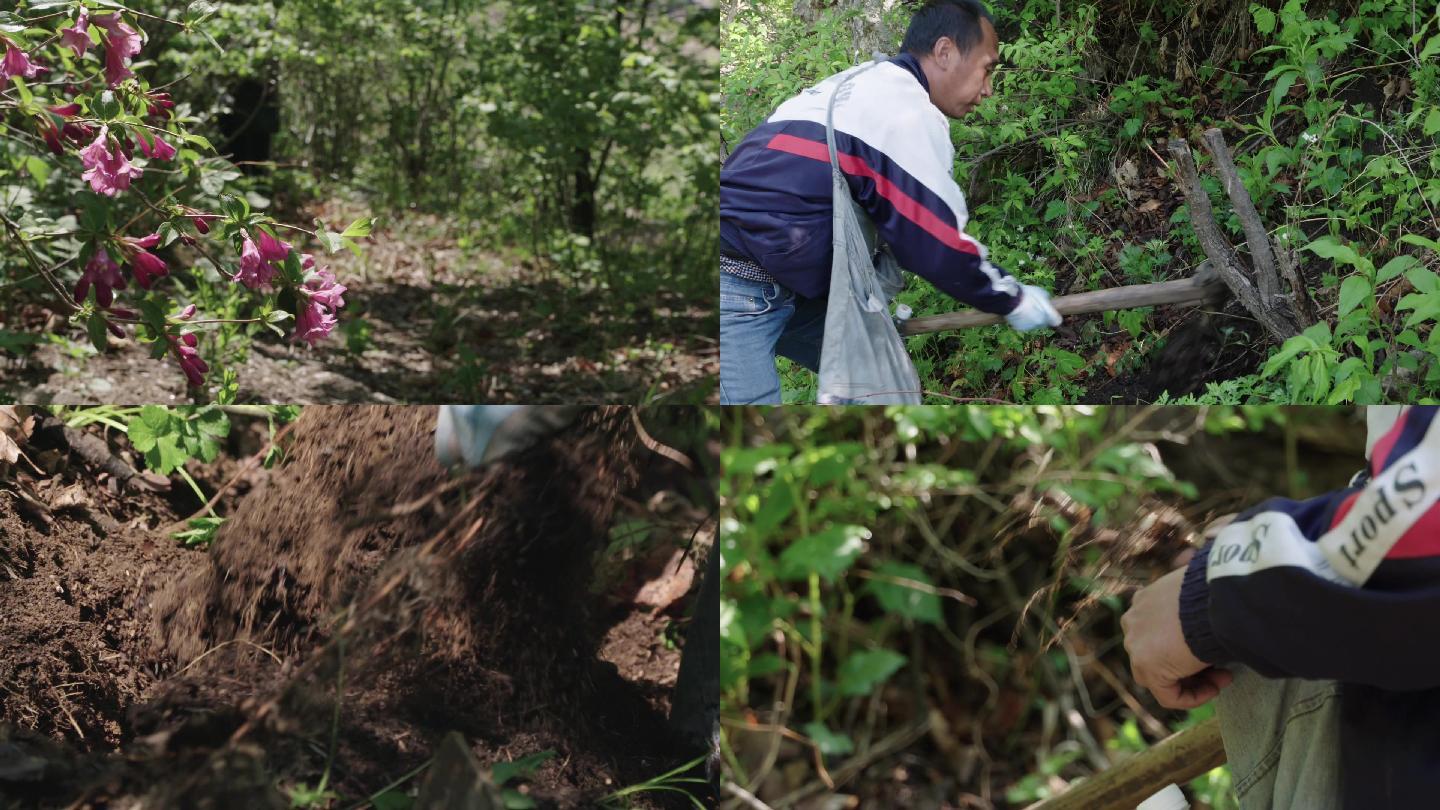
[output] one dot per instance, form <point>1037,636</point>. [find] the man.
<point>1314,624</point>
<point>893,144</point>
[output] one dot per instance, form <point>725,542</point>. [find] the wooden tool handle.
<point>1174,760</point>
<point>1203,287</point>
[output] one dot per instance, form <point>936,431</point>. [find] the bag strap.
<point>830,117</point>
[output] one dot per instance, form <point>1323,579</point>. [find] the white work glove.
<point>1034,310</point>
<point>479,434</point>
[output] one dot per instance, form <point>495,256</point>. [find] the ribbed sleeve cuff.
<point>1195,611</point>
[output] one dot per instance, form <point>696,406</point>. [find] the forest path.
<point>426,320</point>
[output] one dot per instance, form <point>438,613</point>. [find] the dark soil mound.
<point>73,582</point>
<point>291,554</point>
<point>355,569</point>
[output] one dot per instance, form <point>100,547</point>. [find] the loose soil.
<point>136,673</point>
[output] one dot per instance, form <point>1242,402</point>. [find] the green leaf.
<point>1327,247</point>
<point>157,417</point>
<point>1432,121</point>
<point>776,505</point>
<point>213,422</point>
<point>1280,359</point>
<point>829,553</point>
<point>830,743</point>
<point>1319,376</point>
<point>1395,267</point>
<point>908,600</point>
<point>1423,279</point>
<point>1426,307</point>
<point>1282,86</point>
<point>1420,241</point>
<point>1353,291</point>
<point>1264,19</point>
<point>331,241</point>
<point>867,669</point>
<point>16,343</point>
<point>360,228</point>
<point>201,532</point>
<point>522,768</point>
<point>167,455</point>
<point>38,168</point>
<point>392,800</point>
<point>99,334</point>
<point>1432,47</point>
<point>142,436</point>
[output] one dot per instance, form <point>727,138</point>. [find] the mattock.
<point>1222,274</point>
<point>1204,287</point>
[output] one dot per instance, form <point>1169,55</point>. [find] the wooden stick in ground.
<point>1280,323</point>
<point>1262,256</point>
<point>1174,760</point>
<point>1262,261</point>
<point>1203,287</point>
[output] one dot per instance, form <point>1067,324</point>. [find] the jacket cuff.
<point>1195,611</point>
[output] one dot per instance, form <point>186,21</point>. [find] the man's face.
<point>958,82</point>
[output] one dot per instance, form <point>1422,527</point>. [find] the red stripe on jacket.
<point>1380,453</point>
<point>908,206</point>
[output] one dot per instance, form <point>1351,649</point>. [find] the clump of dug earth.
<point>360,598</point>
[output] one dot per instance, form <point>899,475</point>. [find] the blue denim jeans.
<point>758,321</point>
<point>1282,739</point>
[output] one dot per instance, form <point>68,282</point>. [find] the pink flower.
<point>104,273</point>
<point>160,105</point>
<point>189,359</point>
<point>322,287</point>
<point>78,133</point>
<point>147,267</point>
<point>322,297</point>
<point>16,63</point>
<point>122,42</point>
<point>314,323</point>
<point>107,169</point>
<point>51,134</point>
<point>159,150</point>
<point>66,110</point>
<point>272,249</point>
<point>143,243</point>
<point>116,70</point>
<point>122,39</point>
<point>187,313</point>
<point>254,271</point>
<point>77,37</point>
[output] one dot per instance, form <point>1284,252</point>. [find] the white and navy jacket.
<point>894,149</point>
<point>1344,587</point>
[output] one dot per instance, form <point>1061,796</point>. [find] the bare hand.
<point>1160,660</point>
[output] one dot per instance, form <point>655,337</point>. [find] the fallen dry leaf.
<point>671,585</point>
<point>15,426</point>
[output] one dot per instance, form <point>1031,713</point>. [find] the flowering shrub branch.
<point>109,153</point>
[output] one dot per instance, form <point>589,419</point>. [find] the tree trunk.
<point>582,204</point>
<point>868,32</point>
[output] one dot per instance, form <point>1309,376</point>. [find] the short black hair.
<point>957,19</point>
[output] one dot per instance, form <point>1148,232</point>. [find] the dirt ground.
<point>137,673</point>
<point>423,302</point>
